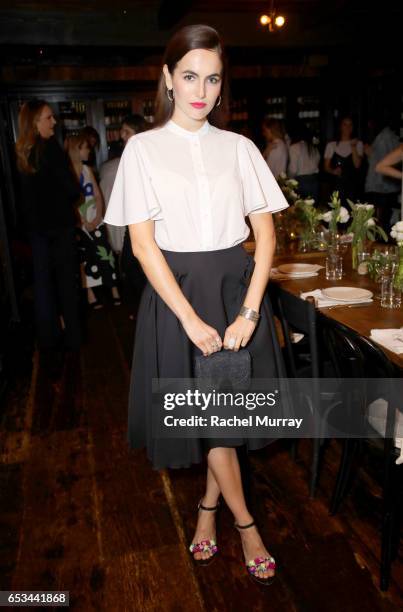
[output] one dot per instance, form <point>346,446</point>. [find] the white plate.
<point>302,275</point>
<point>298,268</point>
<point>347,294</point>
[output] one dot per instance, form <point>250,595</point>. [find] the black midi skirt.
<point>215,283</point>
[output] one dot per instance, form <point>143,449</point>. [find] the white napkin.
<point>277,275</point>
<point>391,339</point>
<point>377,415</point>
<point>322,301</point>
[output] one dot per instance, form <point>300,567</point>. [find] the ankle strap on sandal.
<point>245,526</point>
<point>211,509</point>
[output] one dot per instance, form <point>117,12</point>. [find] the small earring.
<point>219,101</point>
<point>170,91</point>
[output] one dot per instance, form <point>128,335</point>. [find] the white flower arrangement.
<point>288,186</point>
<point>397,232</point>
<point>336,214</point>
<point>309,215</point>
<point>365,206</point>
<point>363,225</point>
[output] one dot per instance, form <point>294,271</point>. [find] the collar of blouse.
<point>180,131</point>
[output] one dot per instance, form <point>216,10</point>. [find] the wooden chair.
<point>357,357</point>
<point>297,315</point>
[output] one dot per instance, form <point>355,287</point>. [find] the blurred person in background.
<point>93,139</point>
<point>276,151</point>
<point>119,236</point>
<point>107,174</point>
<point>304,161</point>
<point>97,259</point>
<point>132,124</point>
<point>50,195</point>
<point>387,167</point>
<point>343,159</point>
<point>381,190</point>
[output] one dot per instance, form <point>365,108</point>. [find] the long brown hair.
<point>276,126</point>
<point>28,135</point>
<point>184,40</point>
<point>72,145</point>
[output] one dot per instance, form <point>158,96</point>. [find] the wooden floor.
<point>79,512</point>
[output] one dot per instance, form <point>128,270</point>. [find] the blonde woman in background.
<point>276,151</point>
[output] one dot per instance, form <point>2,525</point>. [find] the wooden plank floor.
<point>80,512</point>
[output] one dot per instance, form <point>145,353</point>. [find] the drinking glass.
<point>320,241</point>
<point>334,267</point>
<point>391,297</point>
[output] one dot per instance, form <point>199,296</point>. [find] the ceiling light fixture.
<point>273,20</point>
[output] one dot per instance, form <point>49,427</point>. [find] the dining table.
<point>361,318</point>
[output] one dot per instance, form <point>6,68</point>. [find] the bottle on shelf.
<point>148,111</point>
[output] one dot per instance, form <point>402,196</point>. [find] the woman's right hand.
<point>205,337</point>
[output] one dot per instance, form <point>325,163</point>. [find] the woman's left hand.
<point>238,333</point>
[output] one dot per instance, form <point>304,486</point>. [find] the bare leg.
<point>115,293</point>
<point>224,465</point>
<point>92,299</point>
<point>205,529</point>
<point>91,296</point>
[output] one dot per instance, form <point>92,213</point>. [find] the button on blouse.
<point>197,187</point>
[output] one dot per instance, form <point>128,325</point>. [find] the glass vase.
<point>307,241</point>
<point>398,281</point>
<point>356,247</point>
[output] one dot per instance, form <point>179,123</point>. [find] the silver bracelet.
<point>249,314</point>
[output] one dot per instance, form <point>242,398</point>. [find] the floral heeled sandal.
<point>205,545</point>
<point>260,564</point>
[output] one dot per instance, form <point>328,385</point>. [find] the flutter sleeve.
<point>261,192</point>
<point>133,199</point>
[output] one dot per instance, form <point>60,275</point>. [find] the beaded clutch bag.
<point>225,369</point>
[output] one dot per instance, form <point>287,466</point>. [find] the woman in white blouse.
<point>304,162</point>
<point>276,151</point>
<point>184,188</point>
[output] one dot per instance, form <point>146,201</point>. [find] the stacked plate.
<point>347,294</point>
<point>299,270</point>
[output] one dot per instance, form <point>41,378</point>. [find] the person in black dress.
<point>343,161</point>
<point>50,194</point>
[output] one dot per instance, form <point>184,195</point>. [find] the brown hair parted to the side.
<point>72,145</point>
<point>276,126</point>
<point>28,135</point>
<point>184,40</point>
<point>136,122</point>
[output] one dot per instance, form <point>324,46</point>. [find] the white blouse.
<point>276,156</point>
<point>197,187</point>
<point>301,161</point>
<point>342,148</point>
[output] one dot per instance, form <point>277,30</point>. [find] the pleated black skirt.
<point>215,283</point>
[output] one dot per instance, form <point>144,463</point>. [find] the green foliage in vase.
<point>363,224</point>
